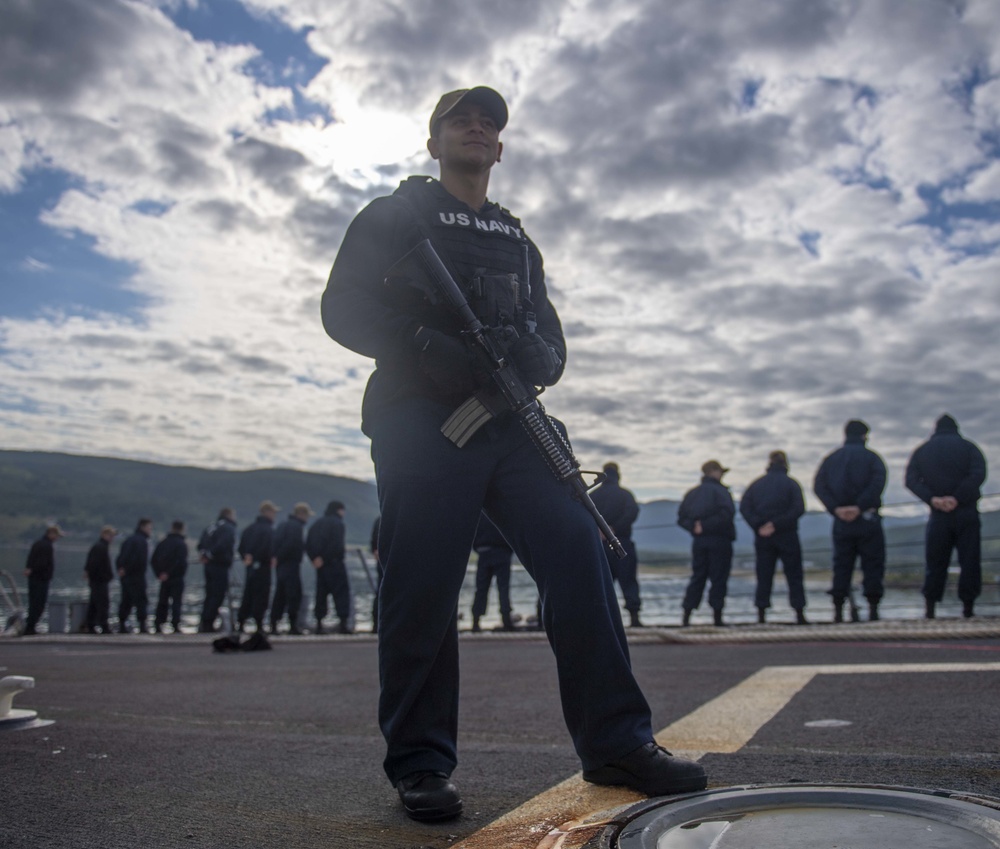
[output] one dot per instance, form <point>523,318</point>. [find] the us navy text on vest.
<point>463,219</point>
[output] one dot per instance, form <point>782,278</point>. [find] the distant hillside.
<point>84,493</point>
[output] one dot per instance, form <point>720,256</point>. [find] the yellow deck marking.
<point>570,813</point>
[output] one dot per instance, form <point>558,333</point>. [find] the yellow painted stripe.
<point>570,813</point>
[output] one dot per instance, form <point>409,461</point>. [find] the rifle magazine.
<point>466,420</point>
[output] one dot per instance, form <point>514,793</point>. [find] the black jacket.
<point>133,557</point>
<point>257,540</point>
<point>852,476</point>
<point>617,505</point>
<point>289,545</point>
<point>776,498</point>
<point>98,565</point>
<point>364,314</point>
<point>710,503</point>
<point>947,464</point>
<point>326,539</point>
<point>42,559</point>
<point>218,542</point>
<point>170,556</point>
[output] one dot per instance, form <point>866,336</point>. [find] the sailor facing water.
<point>850,482</point>
<point>947,473</point>
<point>431,491</point>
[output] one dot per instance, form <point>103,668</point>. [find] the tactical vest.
<point>486,252</point>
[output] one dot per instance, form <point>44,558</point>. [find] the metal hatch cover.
<point>803,816</point>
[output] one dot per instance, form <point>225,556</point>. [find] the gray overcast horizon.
<point>759,220</point>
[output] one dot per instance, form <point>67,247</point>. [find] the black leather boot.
<point>651,770</point>
<point>429,797</point>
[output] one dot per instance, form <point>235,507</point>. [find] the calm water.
<point>661,595</point>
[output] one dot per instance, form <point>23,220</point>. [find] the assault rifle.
<point>423,268</point>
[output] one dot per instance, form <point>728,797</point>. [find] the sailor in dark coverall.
<point>289,546</point>
<point>850,482</point>
<point>169,565</point>
<point>256,549</point>
<point>946,473</point>
<point>132,563</point>
<point>620,510</point>
<point>325,549</point>
<point>708,513</point>
<point>217,547</point>
<point>772,506</point>
<point>39,569</point>
<point>494,557</point>
<point>431,492</point>
<point>99,572</point>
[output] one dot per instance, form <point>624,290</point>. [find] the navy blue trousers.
<point>493,563</point>
<point>783,546</point>
<point>256,594</point>
<point>169,602</point>
<point>864,539</point>
<point>332,580</point>
<point>431,494</point>
<point>133,596</point>
<point>99,606</point>
<point>711,559</point>
<point>38,596</point>
<point>958,530</point>
<point>216,584</point>
<point>287,594</point>
<point>624,571</point>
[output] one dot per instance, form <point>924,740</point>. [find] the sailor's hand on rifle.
<point>447,361</point>
<point>535,360</point>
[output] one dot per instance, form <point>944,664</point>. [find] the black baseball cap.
<point>486,97</point>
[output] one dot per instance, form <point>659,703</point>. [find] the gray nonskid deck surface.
<point>160,742</point>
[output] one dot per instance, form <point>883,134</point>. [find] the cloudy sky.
<point>759,219</point>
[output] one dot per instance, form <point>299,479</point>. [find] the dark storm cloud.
<point>92,384</point>
<point>658,99</point>
<point>273,164</point>
<point>667,248</point>
<point>111,341</point>
<point>224,216</point>
<point>719,152</point>
<point>199,365</point>
<point>792,301</point>
<point>790,28</point>
<point>601,448</point>
<point>52,50</point>
<point>578,330</point>
<point>180,166</point>
<point>409,41</point>
<point>258,364</point>
<point>182,150</point>
<point>320,225</point>
<point>166,351</point>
